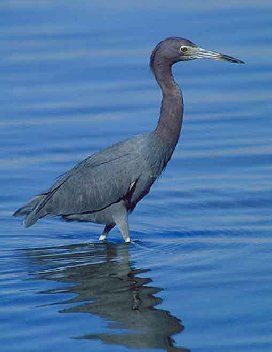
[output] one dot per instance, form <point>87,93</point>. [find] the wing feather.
<point>95,183</point>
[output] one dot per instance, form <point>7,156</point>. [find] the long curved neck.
<point>171,113</point>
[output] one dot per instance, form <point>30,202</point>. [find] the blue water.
<point>74,79</point>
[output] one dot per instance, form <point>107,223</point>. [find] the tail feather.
<point>28,210</point>
<point>30,219</point>
<point>22,211</point>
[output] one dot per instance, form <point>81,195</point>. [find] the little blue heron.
<point>106,186</point>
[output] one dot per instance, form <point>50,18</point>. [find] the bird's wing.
<point>100,180</point>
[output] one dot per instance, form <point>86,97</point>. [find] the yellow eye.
<point>183,49</point>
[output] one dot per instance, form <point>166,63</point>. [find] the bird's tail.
<point>28,210</point>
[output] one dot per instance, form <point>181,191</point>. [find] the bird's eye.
<point>183,49</point>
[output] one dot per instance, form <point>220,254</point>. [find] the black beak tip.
<point>231,59</point>
<point>240,61</point>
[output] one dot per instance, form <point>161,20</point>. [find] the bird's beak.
<point>207,54</point>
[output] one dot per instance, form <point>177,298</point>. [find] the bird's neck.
<point>171,113</point>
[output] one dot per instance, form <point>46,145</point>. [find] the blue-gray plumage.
<point>106,187</point>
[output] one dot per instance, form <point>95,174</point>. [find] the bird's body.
<point>105,187</point>
<point>125,172</point>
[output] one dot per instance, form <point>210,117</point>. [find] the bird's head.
<point>175,49</point>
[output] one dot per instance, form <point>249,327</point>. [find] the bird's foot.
<point>128,240</point>
<point>102,237</point>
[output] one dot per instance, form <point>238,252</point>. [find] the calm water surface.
<point>75,78</point>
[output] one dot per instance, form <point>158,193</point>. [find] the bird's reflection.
<point>105,283</point>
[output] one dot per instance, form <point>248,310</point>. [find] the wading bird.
<point>106,187</point>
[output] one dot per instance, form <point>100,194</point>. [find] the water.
<point>75,78</point>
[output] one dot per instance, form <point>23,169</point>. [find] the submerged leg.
<point>105,232</point>
<point>122,224</point>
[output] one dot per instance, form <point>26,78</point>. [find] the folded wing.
<point>95,183</point>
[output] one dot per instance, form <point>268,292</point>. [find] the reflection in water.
<point>106,284</point>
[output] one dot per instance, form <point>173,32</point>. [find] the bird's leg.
<point>123,227</point>
<point>122,224</point>
<point>106,231</point>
